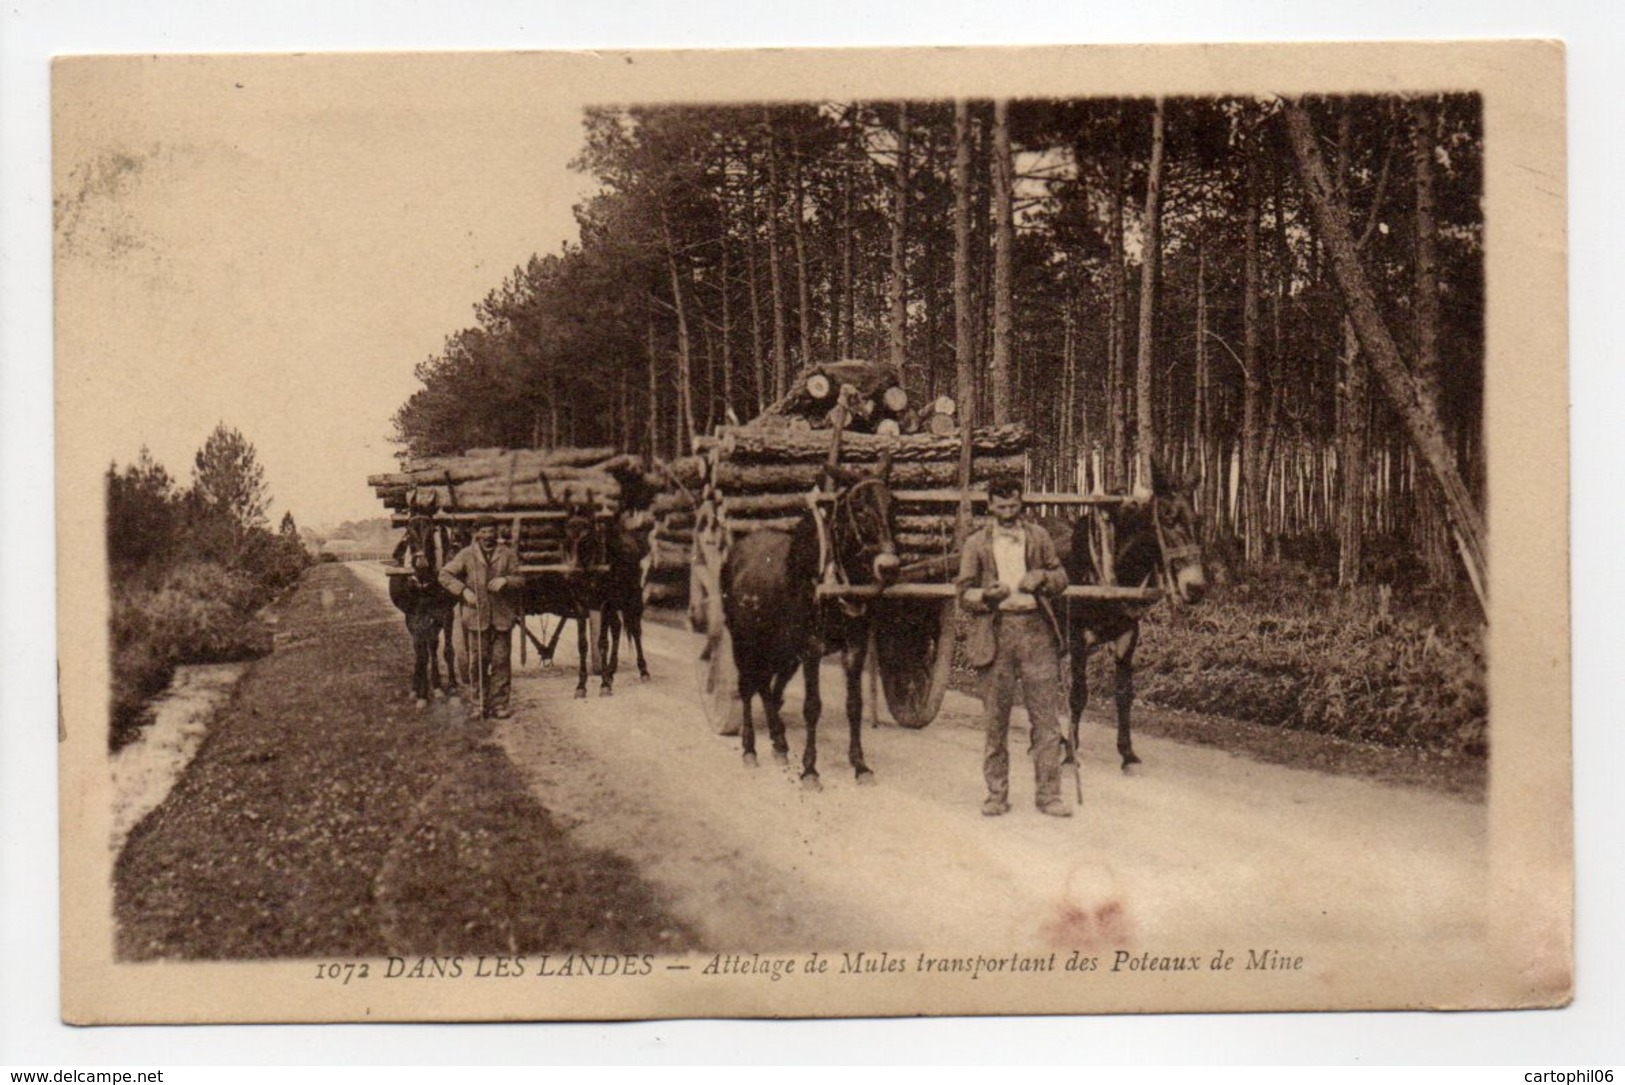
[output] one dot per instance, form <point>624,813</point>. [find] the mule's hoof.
<point>644,676</point>
<point>420,704</point>
<point>812,783</point>
<point>750,760</point>
<point>440,695</point>
<point>607,691</point>
<point>781,757</point>
<point>865,778</point>
<point>581,694</point>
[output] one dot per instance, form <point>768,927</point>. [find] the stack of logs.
<point>671,547</point>
<point>530,492</point>
<point>757,478</point>
<point>872,394</point>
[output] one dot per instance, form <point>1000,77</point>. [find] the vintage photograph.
<point>813,534</point>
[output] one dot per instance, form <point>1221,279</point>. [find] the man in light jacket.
<point>485,576</point>
<point>1009,579</point>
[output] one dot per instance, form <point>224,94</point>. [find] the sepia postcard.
<point>587,536</point>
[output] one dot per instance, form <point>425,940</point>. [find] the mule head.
<point>1178,535</point>
<point>420,544</point>
<point>583,544</point>
<point>861,522</point>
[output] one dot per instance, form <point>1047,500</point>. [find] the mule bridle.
<point>842,518</point>
<point>421,543</point>
<point>1170,554</point>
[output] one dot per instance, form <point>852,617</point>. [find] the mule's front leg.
<point>812,706</point>
<point>609,649</point>
<point>422,659</point>
<point>581,652</point>
<point>448,622</point>
<point>852,660</point>
<point>773,705</point>
<point>747,726</point>
<point>1124,675</point>
<point>634,629</point>
<point>1077,697</point>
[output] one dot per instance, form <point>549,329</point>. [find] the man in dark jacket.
<point>1009,579</point>
<point>485,576</point>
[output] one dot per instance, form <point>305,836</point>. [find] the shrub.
<point>141,668</point>
<point>275,562</point>
<point>200,614</point>
<point>1354,666</point>
<point>1276,650</point>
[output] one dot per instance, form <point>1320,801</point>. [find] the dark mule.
<point>618,595</point>
<point>769,600</point>
<point>429,609</point>
<point>1155,544</point>
<point>569,594</point>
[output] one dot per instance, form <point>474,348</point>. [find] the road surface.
<point>1200,848</point>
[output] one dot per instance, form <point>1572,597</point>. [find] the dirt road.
<point>1201,848</point>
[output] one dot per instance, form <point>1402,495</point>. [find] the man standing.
<point>485,576</point>
<point>1009,577</point>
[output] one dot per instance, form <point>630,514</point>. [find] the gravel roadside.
<point>325,816</point>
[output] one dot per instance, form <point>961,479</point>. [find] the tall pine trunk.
<point>849,288</point>
<point>1117,346</point>
<point>1431,528</point>
<point>781,347</point>
<point>1145,430</point>
<point>727,335</point>
<point>897,329</point>
<point>1004,241</point>
<point>798,233</point>
<point>1252,481</point>
<point>1353,437</point>
<point>1417,411</point>
<point>654,386</point>
<point>1201,414</point>
<point>685,372</point>
<point>757,357</point>
<point>964,361</point>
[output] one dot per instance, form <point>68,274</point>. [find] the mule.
<point>1156,543</point>
<point>569,594</point>
<point>618,595</point>
<point>429,610</point>
<point>777,622</point>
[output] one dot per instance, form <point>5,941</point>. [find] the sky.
<point>276,243</point>
<point>410,308</point>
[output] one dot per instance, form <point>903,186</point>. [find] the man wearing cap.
<point>1009,577</point>
<point>485,576</point>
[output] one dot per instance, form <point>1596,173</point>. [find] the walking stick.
<point>1072,738</point>
<point>1072,756</point>
<point>479,649</point>
<point>478,637</point>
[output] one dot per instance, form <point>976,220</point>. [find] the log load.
<point>501,481</point>
<point>745,444</point>
<point>875,400</point>
<point>746,477</point>
<point>761,479</point>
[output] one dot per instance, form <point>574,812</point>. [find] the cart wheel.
<point>705,571</point>
<point>914,642</point>
<point>718,682</point>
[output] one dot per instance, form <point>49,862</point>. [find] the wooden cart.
<point>915,620</point>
